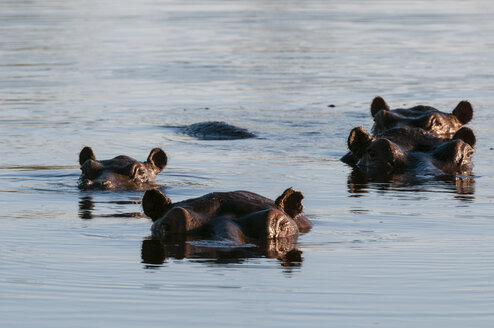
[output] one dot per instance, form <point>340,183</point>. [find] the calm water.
<point>118,76</point>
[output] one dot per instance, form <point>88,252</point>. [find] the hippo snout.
<point>95,184</point>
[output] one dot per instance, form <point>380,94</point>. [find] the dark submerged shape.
<point>237,216</point>
<point>412,151</point>
<point>215,130</point>
<point>121,172</point>
<point>438,123</point>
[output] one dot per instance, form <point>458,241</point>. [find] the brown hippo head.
<point>236,216</point>
<point>425,117</point>
<point>401,150</point>
<point>121,172</point>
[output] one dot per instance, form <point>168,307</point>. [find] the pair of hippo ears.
<point>157,157</point>
<point>463,111</point>
<point>155,204</point>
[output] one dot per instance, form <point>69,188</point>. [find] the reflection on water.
<point>87,207</point>
<point>111,76</point>
<point>157,252</point>
<point>359,184</point>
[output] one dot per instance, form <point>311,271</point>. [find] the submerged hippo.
<point>121,172</point>
<point>425,117</point>
<point>412,150</point>
<point>214,130</point>
<point>237,216</point>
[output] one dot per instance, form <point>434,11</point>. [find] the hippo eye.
<point>371,153</point>
<point>433,122</point>
<point>136,171</point>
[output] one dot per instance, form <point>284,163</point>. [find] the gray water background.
<point>118,75</point>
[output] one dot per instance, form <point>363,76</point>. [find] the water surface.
<point>117,75</point>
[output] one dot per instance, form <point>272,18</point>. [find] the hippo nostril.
<point>106,185</point>
<point>86,184</point>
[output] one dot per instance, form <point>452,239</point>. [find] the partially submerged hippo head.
<point>238,216</point>
<point>216,130</point>
<point>425,117</point>
<point>121,172</point>
<point>406,149</point>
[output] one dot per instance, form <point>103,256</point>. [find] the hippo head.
<point>121,172</point>
<point>382,157</point>
<point>237,216</point>
<point>375,156</point>
<point>454,157</point>
<point>425,117</point>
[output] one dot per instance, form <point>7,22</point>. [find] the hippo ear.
<point>157,157</point>
<point>378,104</point>
<point>358,140</point>
<point>290,202</point>
<point>464,112</point>
<point>155,204</point>
<point>467,135</point>
<point>85,154</point>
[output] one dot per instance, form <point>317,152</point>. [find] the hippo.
<point>215,130</point>
<point>428,118</point>
<point>121,172</point>
<point>412,150</point>
<point>237,216</point>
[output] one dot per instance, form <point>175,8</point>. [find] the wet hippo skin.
<point>413,151</point>
<point>237,216</point>
<point>121,172</point>
<point>215,130</point>
<point>438,123</point>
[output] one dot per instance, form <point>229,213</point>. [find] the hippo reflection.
<point>121,172</point>
<point>87,208</point>
<point>412,151</point>
<point>425,117</point>
<point>180,246</point>
<point>238,217</point>
<point>360,183</point>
